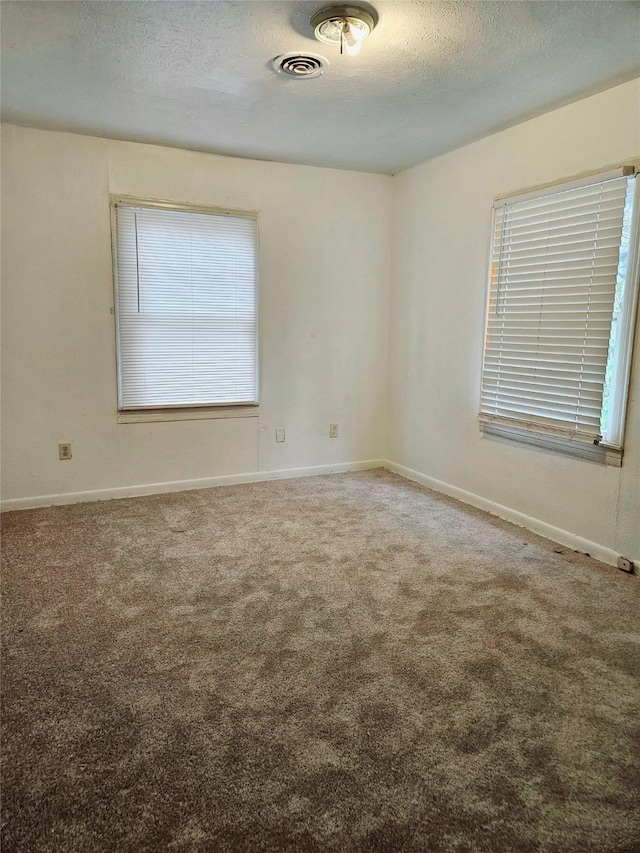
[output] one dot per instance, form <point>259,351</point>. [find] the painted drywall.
<point>324,275</point>
<point>327,313</point>
<point>442,217</point>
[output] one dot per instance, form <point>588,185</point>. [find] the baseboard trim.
<point>535,525</point>
<point>185,485</point>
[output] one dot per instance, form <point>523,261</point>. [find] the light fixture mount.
<point>346,26</point>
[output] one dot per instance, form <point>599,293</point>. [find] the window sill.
<point>143,416</point>
<point>592,452</point>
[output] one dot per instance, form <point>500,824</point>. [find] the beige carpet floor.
<point>339,663</point>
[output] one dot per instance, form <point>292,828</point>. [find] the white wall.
<point>324,277</point>
<point>442,216</point>
<point>325,258</point>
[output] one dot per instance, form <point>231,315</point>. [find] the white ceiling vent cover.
<point>301,65</point>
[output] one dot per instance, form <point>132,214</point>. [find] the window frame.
<point>180,411</point>
<point>628,331</point>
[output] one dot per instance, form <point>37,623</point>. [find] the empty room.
<point>320,426</point>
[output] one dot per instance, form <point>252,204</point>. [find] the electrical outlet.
<point>626,565</point>
<point>333,430</point>
<point>279,434</point>
<point>64,451</point>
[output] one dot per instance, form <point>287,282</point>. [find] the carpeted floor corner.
<point>339,663</point>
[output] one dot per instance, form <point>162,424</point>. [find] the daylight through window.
<point>562,294</point>
<point>186,306</point>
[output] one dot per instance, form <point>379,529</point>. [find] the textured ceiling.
<point>431,77</point>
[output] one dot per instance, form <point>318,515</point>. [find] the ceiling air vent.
<point>303,65</point>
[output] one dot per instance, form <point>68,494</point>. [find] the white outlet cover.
<point>279,434</point>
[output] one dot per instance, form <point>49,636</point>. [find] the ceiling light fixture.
<point>347,26</point>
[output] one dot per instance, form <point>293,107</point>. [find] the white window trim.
<point>134,200</point>
<point>628,319</point>
<point>581,180</point>
<point>191,413</point>
<point>593,452</point>
<point>602,453</point>
<point>180,413</point>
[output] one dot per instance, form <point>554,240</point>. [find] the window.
<point>562,301</point>
<point>186,306</point>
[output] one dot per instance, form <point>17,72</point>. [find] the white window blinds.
<point>186,307</point>
<point>554,272</point>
